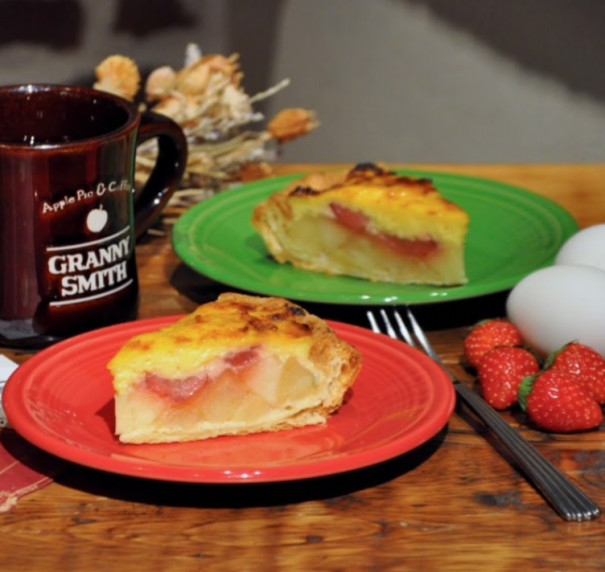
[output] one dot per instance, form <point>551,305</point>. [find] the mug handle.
<point>167,172</point>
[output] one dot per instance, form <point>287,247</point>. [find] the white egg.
<point>586,247</point>
<point>558,304</point>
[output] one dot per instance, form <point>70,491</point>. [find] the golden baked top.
<point>385,196</point>
<point>232,321</point>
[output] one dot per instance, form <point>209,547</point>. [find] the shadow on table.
<point>441,315</point>
<point>240,495</point>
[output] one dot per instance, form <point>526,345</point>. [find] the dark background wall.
<point>391,80</point>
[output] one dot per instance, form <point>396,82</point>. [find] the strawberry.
<point>586,365</point>
<point>554,401</point>
<point>501,371</point>
<point>488,334</point>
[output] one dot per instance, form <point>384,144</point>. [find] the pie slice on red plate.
<point>241,364</point>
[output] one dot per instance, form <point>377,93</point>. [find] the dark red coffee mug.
<point>69,214</point>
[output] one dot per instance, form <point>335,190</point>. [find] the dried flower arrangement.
<point>207,100</point>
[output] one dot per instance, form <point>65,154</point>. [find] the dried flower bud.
<point>291,123</point>
<point>160,83</point>
<point>219,63</point>
<point>182,110</point>
<point>118,75</point>
<point>194,79</point>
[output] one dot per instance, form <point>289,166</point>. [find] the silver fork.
<point>569,501</point>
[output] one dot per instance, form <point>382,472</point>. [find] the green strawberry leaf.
<point>525,389</point>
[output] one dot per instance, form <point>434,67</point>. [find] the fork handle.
<point>570,502</point>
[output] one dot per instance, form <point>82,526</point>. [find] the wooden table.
<point>452,504</point>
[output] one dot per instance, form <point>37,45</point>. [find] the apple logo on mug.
<point>96,219</point>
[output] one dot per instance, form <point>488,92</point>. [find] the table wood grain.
<point>454,503</point>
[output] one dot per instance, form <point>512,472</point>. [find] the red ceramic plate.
<point>61,400</point>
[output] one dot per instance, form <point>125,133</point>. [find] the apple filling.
<point>345,243</point>
<point>247,387</point>
<point>359,223</point>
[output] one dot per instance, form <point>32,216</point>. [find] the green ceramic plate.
<point>511,233</point>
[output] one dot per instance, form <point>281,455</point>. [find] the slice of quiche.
<point>369,223</point>
<point>241,364</point>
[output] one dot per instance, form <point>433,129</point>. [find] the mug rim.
<point>131,122</point>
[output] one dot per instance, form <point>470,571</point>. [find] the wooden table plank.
<point>452,504</point>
